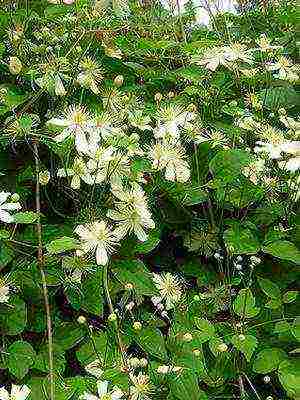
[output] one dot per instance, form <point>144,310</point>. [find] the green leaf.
<point>268,360</point>
<point>269,288</point>
<point>150,244</point>
<point>185,386</point>
<point>62,244</point>
<point>289,377</point>
<point>274,304</point>
<point>284,250</point>
<point>152,342</point>
<point>68,334</point>
<point>290,296</point>
<point>42,359</point>
<point>26,217</point>
<point>21,357</point>
<point>281,327</point>
<point>13,318</point>
<point>227,164</point>
<point>296,328</point>
<point>241,240</point>
<point>245,344</point>
<point>136,273</point>
<point>207,330</point>
<point>92,292</point>
<point>244,304</point>
<point>277,97</point>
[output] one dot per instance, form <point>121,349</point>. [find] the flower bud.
<point>44,177</point>
<point>130,306</point>
<point>222,347</point>
<point>81,319</point>
<point>118,81</point>
<point>15,198</point>
<point>68,2</point>
<point>129,286</point>
<point>197,353</point>
<point>163,369</point>
<point>143,362</point>
<point>158,97</point>
<point>134,362</point>
<point>267,379</point>
<point>112,317</point>
<point>15,65</point>
<point>171,95</point>
<point>197,297</point>
<point>137,326</point>
<point>242,337</point>
<point>187,337</point>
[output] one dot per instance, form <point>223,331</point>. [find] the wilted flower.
<point>90,74</point>
<point>6,207</point>
<point>142,387</point>
<point>169,287</point>
<point>78,171</point>
<point>97,237</point>
<point>103,393</point>
<point>95,368</point>
<point>18,392</point>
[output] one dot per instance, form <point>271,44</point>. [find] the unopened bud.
<point>44,177</point>
<point>15,65</point>
<point>158,97</point>
<point>128,286</point>
<point>242,337</point>
<point>137,326</point>
<point>81,319</point>
<point>134,362</point>
<point>197,353</point>
<point>130,306</point>
<point>171,95</point>
<point>187,337</point>
<point>118,81</point>
<point>112,317</point>
<point>15,197</point>
<point>143,362</point>
<point>222,347</point>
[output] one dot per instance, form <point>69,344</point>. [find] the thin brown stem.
<point>41,267</point>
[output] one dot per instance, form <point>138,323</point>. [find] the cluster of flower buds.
<point>166,369</point>
<point>135,362</point>
<point>157,302</point>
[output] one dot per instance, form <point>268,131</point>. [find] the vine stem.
<point>111,310</point>
<point>41,268</point>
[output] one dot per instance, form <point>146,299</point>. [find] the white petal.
<point>58,122</point>
<point>102,387</point>
<point>62,136</point>
<point>88,396</point>
<point>101,255</point>
<point>81,142</point>
<point>121,231</point>
<point>4,196</point>
<point>140,233</point>
<point>11,206</point>
<point>75,182</point>
<point>20,392</point>
<point>117,394</point>
<point>6,217</point>
<point>4,395</point>
<point>62,172</point>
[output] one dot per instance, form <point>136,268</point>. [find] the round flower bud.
<point>81,319</point>
<point>267,379</point>
<point>143,362</point>
<point>192,107</point>
<point>197,352</point>
<point>171,95</point>
<point>282,111</point>
<point>134,362</point>
<point>242,337</point>
<point>15,198</point>
<point>255,260</point>
<point>270,398</point>
<point>68,2</point>
<point>44,177</point>
<point>163,369</point>
<point>130,306</point>
<point>15,65</point>
<point>137,326</point>
<point>187,337</point>
<point>222,347</point>
<point>128,286</point>
<point>158,97</point>
<point>118,81</point>
<point>112,317</point>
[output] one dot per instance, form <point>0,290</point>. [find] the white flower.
<point>141,388</point>
<point>78,171</point>
<point>75,123</point>
<point>103,394</point>
<point>134,197</point>
<point>285,69</point>
<point>293,148</point>
<point>95,368</point>
<point>4,291</point>
<point>169,288</point>
<point>138,120</point>
<point>112,168</point>
<point>254,170</point>
<point>170,119</point>
<point>264,44</point>
<point>17,393</point>
<point>97,237</point>
<point>273,145</point>
<point>6,207</point>
<point>131,220</point>
<point>90,75</point>
<point>171,157</point>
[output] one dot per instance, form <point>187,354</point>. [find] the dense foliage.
<point>149,239</point>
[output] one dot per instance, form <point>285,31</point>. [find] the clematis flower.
<point>284,68</point>
<point>78,172</point>
<point>169,287</point>
<point>103,393</point>
<point>7,207</point>
<point>17,393</point>
<point>98,238</point>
